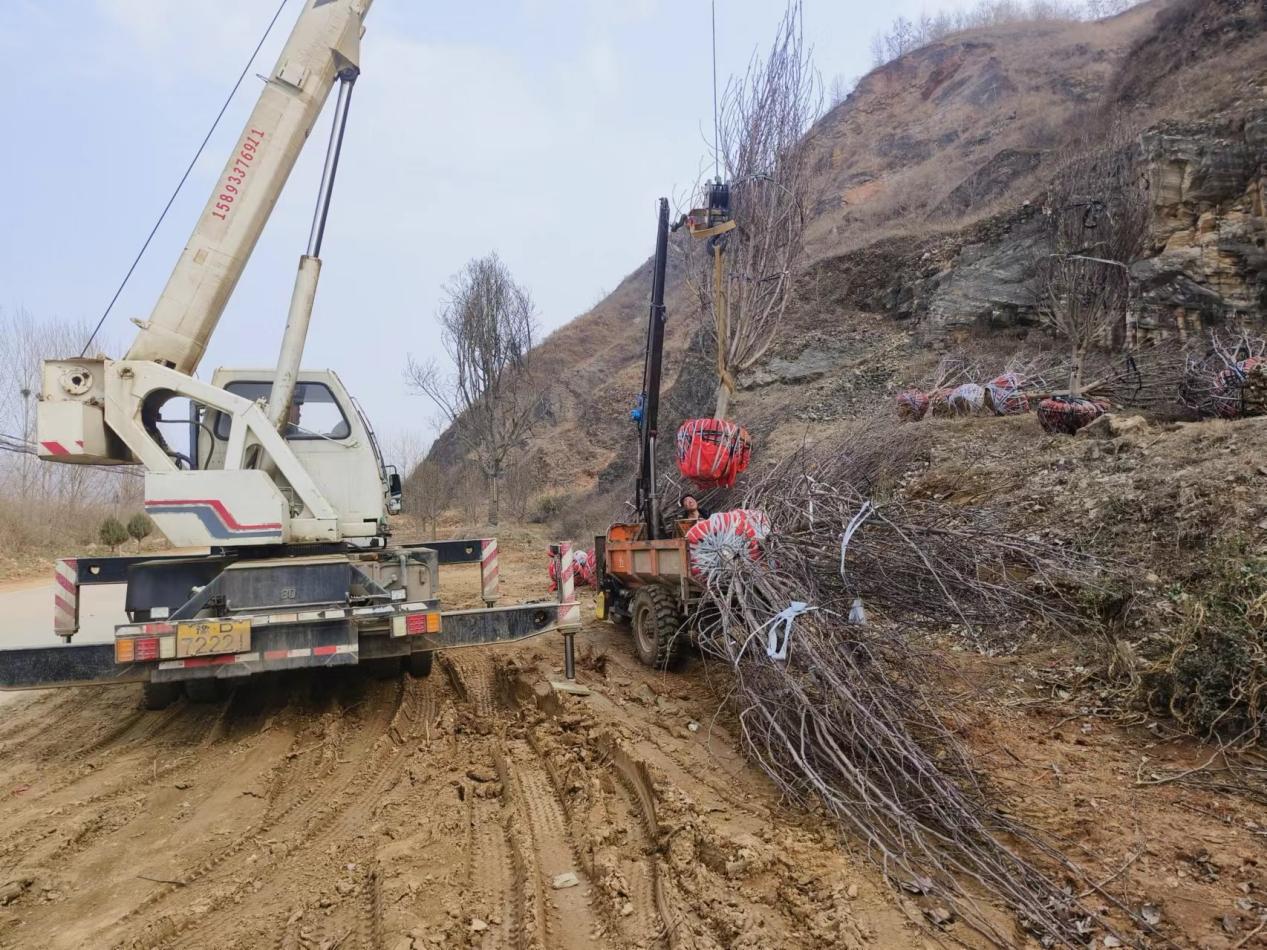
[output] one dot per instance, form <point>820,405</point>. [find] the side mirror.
<point>394,490</point>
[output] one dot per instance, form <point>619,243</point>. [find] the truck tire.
<point>159,695</point>
<point>418,665</point>
<point>656,625</point>
<point>204,691</point>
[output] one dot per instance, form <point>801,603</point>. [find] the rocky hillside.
<point>925,229</point>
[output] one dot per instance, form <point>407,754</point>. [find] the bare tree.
<point>1096,213</point>
<point>428,493</point>
<point>764,117</point>
<point>841,87</point>
<point>487,328</point>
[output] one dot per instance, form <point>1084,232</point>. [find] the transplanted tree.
<point>486,328</point>
<point>1096,215</point>
<point>760,151</point>
<point>112,533</point>
<point>139,528</point>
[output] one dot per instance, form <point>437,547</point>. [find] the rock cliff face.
<point>1206,265</point>
<point>1208,181</point>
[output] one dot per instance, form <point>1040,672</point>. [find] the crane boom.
<point>325,42</point>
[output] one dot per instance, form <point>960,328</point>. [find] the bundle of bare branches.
<point>844,717</point>
<point>1219,380</point>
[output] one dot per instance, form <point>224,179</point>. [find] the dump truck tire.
<point>418,665</point>
<point>656,622</point>
<point>204,691</point>
<point>159,695</point>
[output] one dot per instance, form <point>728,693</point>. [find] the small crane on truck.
<point>282,479</point>
<point>643,570</point>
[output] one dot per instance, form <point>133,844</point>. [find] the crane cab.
<point>328,434</point>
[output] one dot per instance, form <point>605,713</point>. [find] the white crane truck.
<point>281,478</point>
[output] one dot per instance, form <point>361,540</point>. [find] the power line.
<point>183,179</point>
<point>716,120</point>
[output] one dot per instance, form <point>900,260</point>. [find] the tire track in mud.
<point>299,810</point>
<point>634,785</point>
<point>318,815</point>
<point>625,873</point>
<point>474,677</point>
<point>115,804</point>
<point>35,716</point>
<point>567,917</point>
<point>47,740</point>
<point>372,927</point>
<point>490,866</point>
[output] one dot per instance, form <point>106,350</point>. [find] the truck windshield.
<point>314,413</point>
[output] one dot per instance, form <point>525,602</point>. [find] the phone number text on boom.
<point>232,188</point>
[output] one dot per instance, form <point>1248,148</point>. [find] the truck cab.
<point>329,435</point>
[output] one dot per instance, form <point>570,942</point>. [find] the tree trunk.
<point>723,401</point>
<point>1075,371</point>
<point>494,499</point>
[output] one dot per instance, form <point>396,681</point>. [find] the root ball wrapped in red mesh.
<point>725,539</point>
<point>1065,415</point>
<point>1229,401</point>
<point>912,405</point>
<point>1004,394</point>
<point>712,452</point>
<point>585,571</point>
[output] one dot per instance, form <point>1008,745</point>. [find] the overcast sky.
<point>542,129</point>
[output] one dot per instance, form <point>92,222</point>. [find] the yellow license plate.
<point>212,637</point>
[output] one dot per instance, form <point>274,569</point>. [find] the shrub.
<point>1211,674</point>
<point>139,528</point>
<point>548,507</point>
<point>112,533</point>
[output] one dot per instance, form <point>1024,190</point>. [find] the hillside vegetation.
<point>928,180</point>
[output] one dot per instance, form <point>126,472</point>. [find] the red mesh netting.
<point>1067,414</point>
<point>939,402</point>
<point>586,568</point>
<point>725,539</point>
<point>712,452</point>
<point>1228,400</point>
<point>912,405</point>
<point>1005,395</point>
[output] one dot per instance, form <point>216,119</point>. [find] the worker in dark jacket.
<point>691,511</point>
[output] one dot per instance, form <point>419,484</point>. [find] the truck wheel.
<point>418,665</point>
<point>656,624</point>
<point>159,695</point>
<point>204,691</point>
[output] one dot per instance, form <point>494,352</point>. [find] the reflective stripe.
<point>194,662</point>
<point>66,596</point>
<point>490,570</point>
<point>569,608</point>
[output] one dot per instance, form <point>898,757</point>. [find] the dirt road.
<point>26,614</point>
<point>477,808</point>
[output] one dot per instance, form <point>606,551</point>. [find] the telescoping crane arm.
<point>244,480</point>
<point>648,412</point>
<point>324,44</point>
